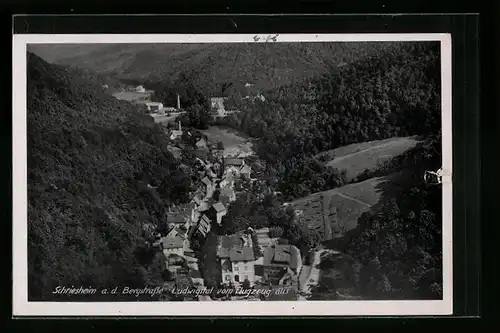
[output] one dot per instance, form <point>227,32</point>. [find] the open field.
<point>132,96</point>
<point>164,118</point>
<point>355,158</point>
<point>234,143</point>
<point>336,211</point>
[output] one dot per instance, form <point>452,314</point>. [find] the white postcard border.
<point>21,306</point>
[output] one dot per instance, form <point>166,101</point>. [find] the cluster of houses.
<point>140,95</point>
<point>157,107</point>
<point>273,264</point>
<point>217,188</point>
<point>251,256</point>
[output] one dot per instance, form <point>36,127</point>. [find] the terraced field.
<point>336,211</point>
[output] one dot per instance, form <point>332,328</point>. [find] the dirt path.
<point>338,159</point>
<point>314,274</point>
<point>304,275</point>
<point>351,198</point>
<point>327,230</point>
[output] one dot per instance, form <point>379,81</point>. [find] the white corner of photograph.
<point>232,175</point>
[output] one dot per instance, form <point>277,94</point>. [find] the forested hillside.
<point>391,93</point>
<point>399,244</point>
<point>211,67</point>
<point>90,157</point>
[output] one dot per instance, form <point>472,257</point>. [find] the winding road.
<point>314,272</point>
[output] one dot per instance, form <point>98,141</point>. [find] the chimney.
<point>178,102</point>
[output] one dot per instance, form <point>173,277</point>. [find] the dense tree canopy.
<point>214,68</point>
<point>399,244</point>
<point>167,93</point>
<point>90,159</point>
<point>392,93</point>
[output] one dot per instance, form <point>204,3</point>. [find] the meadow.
<point>358,157</point>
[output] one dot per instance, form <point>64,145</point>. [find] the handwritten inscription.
<point>268,38</point>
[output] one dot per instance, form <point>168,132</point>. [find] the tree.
<point>245,284</point>
<point>198,116</point>
<point>325,290</point>
<point>303,237</point>
<point>88,213</point>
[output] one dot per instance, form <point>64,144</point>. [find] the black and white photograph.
<point>193,174</point>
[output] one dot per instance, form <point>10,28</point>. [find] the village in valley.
<point>235,171</point>
<point>249,259</point>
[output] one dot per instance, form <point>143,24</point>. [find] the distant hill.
<point>90,157</point>
<point>210,66</point>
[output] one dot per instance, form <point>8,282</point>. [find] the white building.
<point>140,89</point>
<point>220,211</point>
<point>209,187</point>
<point>154,106</point>
<point>236,256</point>
<point>217,104</point>
<point>174,243</point>
<point>175,134</point>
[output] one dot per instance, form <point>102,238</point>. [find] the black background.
<point>475,140</point>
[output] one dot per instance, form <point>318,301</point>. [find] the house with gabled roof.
<point>236,257</point>
<point>201,143</point>
<point>227,181</point>
<point>246,171</point>
<point>204,225</point>
<point>229,193</point>
<point>208,186</point>
<point>220,211</point>
<point>224,199</point>
<point>174,242</point>
<point>238,162</point>
<point>197,196</point>
<point>177,217</point>
<point>280,260</point>
<point>189,213</point>
<point>237,167</point>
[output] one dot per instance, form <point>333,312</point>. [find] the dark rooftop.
<point>219,207</point>
<point>234,161</point>
<point>174,242</point>
<point>245,169</point>
<point>232,247</point>
<point>242,254</point>
<point>176,217</point>
<point>281,255</point>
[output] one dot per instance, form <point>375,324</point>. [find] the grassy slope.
<point>87,153</point>
<point>229,137</point>
<point>358,157</point>
<point>210,65</point>
<point>350,202</point>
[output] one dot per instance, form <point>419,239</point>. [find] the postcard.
<point>232,175</point>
